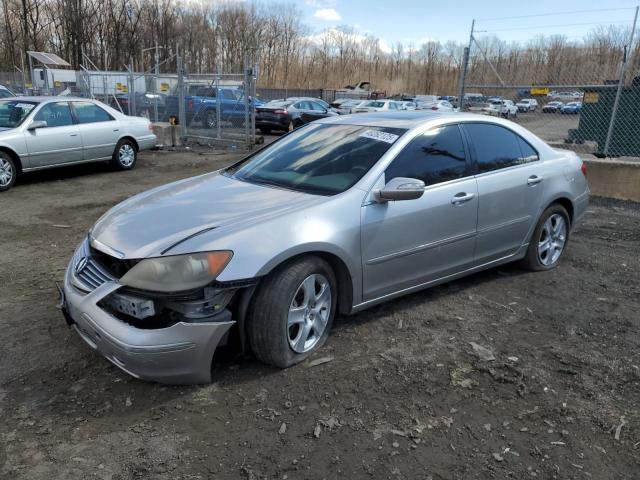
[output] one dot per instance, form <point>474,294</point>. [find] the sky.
<point>420,20</point>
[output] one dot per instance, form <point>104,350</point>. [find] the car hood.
<point>151,223</point>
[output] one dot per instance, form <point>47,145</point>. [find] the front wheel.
<point>292,313</point>
<point>549,239</point>
<point>125,155</point>
<point>8,172</point>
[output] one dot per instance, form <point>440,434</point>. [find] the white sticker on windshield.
<point>378,135</point>
<point>26,106</point>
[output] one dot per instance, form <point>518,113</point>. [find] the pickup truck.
<point>201,103</point>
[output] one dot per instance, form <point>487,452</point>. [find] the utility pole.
<point>623,71</point>
<point>463,68</point>
<point>155,84</point>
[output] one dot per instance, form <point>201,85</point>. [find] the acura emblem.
<point>80,264</point>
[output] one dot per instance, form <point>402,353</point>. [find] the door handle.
<point>462,197</point>
<point>73,134</point>
<point>533,180</point>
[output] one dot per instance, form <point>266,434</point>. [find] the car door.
<point>408,243</point>
<point>59,142</point>
<point>510,187</point>
<point>317,110</point>
<point>305,112</point>
<point>100,131</point>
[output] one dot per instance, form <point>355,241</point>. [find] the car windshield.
<point>4,93</point>
<point>374,104</point>
<point>14,112</point>
<point>318,159</point>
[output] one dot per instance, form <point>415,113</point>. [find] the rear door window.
<point>498,147</point>
<point>436,156</point>
<point>87,112</point>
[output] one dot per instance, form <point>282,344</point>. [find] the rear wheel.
<point>549,239</point>
<point>125,155</point>
<point>210,119</point>
<point>8,172</point>
<point>292,312</point>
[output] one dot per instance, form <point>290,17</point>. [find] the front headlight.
<point>177,273</point>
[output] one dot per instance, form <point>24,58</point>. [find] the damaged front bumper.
<point>180,353</point>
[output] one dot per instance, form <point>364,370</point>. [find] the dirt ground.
<point>399,391</point>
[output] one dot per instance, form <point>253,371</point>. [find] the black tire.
<point>210,119</point>
<point>532,261</point>
<point>267,329</point>
<point>8,172</point>
<point>265,131</point>
<point>125,155</point>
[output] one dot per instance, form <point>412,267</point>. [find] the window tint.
<point>316,107</point>
<point>497,147</point>
<point>90,113</point>
<point>55,114</point>
<point>433,157</point>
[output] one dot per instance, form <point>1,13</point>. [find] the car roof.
<point>41,99</point>
<point>410,119</point>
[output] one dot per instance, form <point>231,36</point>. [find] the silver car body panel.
<point>72,144</point>
<point>389,249</point>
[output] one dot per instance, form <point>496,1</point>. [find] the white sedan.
<point>46,132</point>
<point>439,106</point>
<point>377,106</point>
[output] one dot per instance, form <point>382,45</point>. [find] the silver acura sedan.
<point>44,132</point>
<point>334,217</point>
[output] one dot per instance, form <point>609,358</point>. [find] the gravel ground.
<point>504,374</point>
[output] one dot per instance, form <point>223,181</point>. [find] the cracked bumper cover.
<point>179,354</point>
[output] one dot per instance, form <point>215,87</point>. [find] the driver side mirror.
<point>400,188</point>
<point>37,124</point>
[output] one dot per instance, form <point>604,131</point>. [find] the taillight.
<point>280,112</point>
<point>583,169</point>
<point>190,104</point>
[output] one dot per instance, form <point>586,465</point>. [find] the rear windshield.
<point>14,112</point>
<point>278,103</point>
<point>318,159</point>
<point>375,104</point>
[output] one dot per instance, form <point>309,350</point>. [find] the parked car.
<point>269,250</point>
<point>144,103</point>
<point>552,107</point>
<point>44,132</point>
<point>527,105</point>
<point>408,105</point>
<point>289,114</point>
<point>571,108</point>
<point>440,106</point>
<point>501,108</point>
<point>5,92</point>
<point>202,103</point>
<point>377,106</point>
<point>345,106</point>
<point>566,96</point>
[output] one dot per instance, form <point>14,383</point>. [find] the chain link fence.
<point>580,92</point>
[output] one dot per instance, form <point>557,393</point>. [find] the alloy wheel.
<point>309,313</point>
<point>553,237</point>
<point>6,172</point>
<point>126,155</point>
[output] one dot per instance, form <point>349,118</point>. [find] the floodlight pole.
<point>464,66</point>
